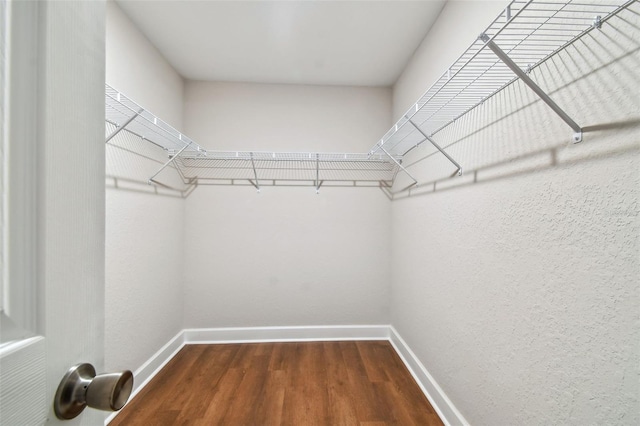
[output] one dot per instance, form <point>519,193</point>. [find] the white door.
<point>53,203</point>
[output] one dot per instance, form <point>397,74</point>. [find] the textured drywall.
<point>516,285</point>
<point>144,231</point>
<point>136,68</point>
<point>286,256</point>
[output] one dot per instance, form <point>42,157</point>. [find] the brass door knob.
<point>81,387</point>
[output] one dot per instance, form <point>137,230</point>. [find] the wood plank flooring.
<point>315,383</point>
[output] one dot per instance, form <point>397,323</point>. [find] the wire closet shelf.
<point>522,37</point>
<point>206,167</point>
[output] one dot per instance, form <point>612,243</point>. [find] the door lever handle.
<point>81,387</point>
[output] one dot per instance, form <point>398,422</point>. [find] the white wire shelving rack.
<point>525,35</point>
<point>196,165</point>
<point>288,168</point>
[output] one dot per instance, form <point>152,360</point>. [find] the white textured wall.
<point>286,256</point>
<point>144,232</point>
<point>136,68</point>
<point>517,284</point>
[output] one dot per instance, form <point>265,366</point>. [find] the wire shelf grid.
<point>194,163</point>
<point>288,166</point>
<point>528,31</point>
<point>122,112</point>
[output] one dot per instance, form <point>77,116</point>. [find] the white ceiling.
<point>362,43</point>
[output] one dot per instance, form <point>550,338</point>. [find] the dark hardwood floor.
<point>316,383</point>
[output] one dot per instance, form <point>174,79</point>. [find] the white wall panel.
<point>136,68</point>
<point>286,256</point>
<point>144,231</point>
<point>517,284</point>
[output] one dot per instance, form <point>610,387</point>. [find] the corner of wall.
<point>153,309</point>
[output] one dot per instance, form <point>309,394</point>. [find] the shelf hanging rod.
<point>318,183</point>
<point>120,128</point>
<point>577,136</point>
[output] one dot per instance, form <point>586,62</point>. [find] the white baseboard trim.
<point>285,334</point>
<point>448,413</point>
<point>438,399</point>
<point>147,371</point>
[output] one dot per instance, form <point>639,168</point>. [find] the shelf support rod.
<point>455,163</point>
<point>415,182</point>
<point>255,174</point>
<point>171,160</point>
<point>577,136</point>
<point>120,128</point>
<point>318,183</point>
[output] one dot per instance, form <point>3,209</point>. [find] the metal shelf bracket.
<point>454,162</point>
<point>121,128</point>
<point>171,160</point>
<point>255,174</point>
<point>597,22</point>
<point>318,183</point>
<point>577,135</point>
<point>415,182</point>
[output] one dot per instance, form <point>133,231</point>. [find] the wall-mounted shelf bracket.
<point>415,182</point>
<point>255,174</point>
<point>454,162</point>
<point>577,135</point>
<point>171,160</point>
<point>120,128</point>
<point>318,183</point>
<point>597,22</point>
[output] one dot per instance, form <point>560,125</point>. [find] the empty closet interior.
<point>480,209</point>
